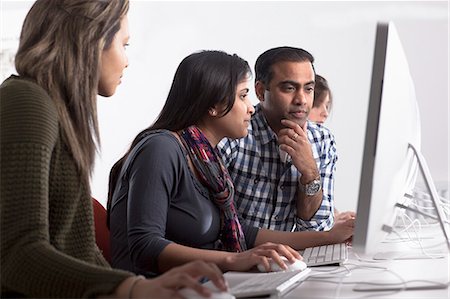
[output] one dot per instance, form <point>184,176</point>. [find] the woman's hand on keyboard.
<point>244,261</point>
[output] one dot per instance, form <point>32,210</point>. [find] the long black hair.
<point>202,80</point>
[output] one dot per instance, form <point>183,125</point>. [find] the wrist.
<point>310,187</point>
<point>330,237</point>
<point>307,178</point>
<point>122,289</point>
<point>133,285</point>
<point>227,262</point>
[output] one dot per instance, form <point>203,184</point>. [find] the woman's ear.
<point>212,112</point>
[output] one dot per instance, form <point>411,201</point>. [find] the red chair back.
<point>101,230</point>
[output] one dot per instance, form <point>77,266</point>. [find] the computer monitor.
<point>391,157</point>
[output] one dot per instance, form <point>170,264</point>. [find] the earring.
<point>213,112</point>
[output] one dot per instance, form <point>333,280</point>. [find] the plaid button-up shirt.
<point>266,188</point>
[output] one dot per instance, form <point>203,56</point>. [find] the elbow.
<point>144,255</point>
<point>306,212</point>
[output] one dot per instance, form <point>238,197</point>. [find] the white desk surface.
<point>340,281</point>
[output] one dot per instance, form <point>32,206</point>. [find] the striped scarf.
<point>215,177</point>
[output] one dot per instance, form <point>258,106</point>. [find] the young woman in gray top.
<point>69,51</point>
<point>170,197</point>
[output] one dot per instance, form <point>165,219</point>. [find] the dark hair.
<point>265,61</point>
<point>321,90</point>
<point>60,48</point>
<point>202,80</point>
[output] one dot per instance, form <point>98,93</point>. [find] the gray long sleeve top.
<point>47,235</point>
<point>158,200</point>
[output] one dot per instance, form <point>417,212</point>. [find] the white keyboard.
<point>267,284</point>
<point>325,255</point>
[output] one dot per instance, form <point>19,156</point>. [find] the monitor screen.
<point>392,124</point>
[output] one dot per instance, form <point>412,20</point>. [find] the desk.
<point>340,281</point>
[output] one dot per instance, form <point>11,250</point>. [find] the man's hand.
<point>293,139</point>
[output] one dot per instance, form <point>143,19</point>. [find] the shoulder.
<point>161,147</point>
<point>24,100</point>
<point>319,133</point>
<point>163,140</point>
<point>20,91</point>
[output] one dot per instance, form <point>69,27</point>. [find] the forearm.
<point>307,206</point>
<point>175,255</point>
<point>297,240</point>
<point>123,290</point>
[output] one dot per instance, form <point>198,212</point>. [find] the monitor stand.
<point>440,217</point>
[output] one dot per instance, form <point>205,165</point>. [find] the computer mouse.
<point>297,265</point>
<point>216,294</point>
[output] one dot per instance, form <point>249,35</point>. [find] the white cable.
<point>360,259</point>
<point>341,280</point>
<point>419,239</point>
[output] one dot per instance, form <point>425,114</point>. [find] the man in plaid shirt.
<point>283,170</point>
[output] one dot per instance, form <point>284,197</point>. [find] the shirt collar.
<point>262,128</point>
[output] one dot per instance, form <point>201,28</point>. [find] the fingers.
<point>154,289</point>
<point>295,254</point>
<point>349,241</point>
<point>179,281</point>
<point>350,222</point>
<point>189,282</point>
<point>293,125</point>
<point>189,275</point>
<point>305,126</point>
<point>292,135</point>
<point>214,274</point>
<point>343,230</point>
<point>346,215</point>
<point>270,251</point>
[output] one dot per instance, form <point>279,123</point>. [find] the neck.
<point>209,134</point>
<point>275,126</point>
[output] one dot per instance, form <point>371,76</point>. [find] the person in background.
<point>284,168</point>
<point>69,51</point>
<point>323,101</point>
<point>171,199</point>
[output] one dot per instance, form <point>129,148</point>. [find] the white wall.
<point>339,34</point>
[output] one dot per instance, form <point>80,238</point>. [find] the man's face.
<point>289,94</point>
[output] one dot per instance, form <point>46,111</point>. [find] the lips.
<point>298,114</point>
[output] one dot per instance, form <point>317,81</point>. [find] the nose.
<point>300,97</point>
<point>250,107</point>
<point>325,111</point>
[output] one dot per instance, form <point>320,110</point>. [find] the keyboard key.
<point>272,283</point>
<point>325,255</point>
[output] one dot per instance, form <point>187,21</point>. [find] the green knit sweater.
<point>48,244</point>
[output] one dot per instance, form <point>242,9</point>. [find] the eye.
<point>288,88</point>
<point>243,96</point>
<point>309,89</point>
<point>125,46</point>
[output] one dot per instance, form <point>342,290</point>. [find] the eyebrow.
<point>295,83</point>
<point>245,90</point>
